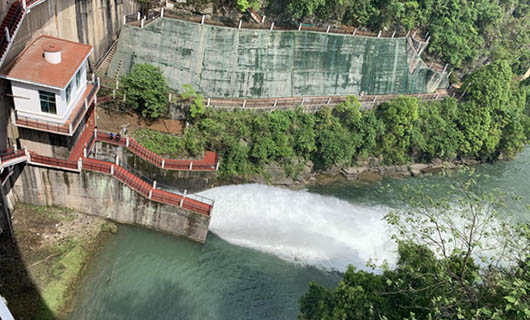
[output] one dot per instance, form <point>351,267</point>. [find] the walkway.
<point>12,21</point>
<point>209,162</point>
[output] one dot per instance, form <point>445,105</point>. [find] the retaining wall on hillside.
<point>227,62</point>
<point>102,195</point>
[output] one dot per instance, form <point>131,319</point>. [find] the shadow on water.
<point>17,287</point>
<point>142,274</point>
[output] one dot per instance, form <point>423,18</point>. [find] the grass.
<point>160,143</point>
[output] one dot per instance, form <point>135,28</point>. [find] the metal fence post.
<point>138,16</point>
<point>154,184</point>
<point>127,142</point>
<point>8,37</point>
<point>202,20</point>
<point>240,23</point>
<point>354,32</point>
<point>217,166</point>
<point>327,31</point>
<point>80,164</point>
<point>300,27</point>
<point>111,169</point>
<point>272,26</point>
<point>150,194</point>
<point>191,165</point>
<point>163,163</point>
<point>162,13</point>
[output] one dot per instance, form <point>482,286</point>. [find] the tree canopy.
<point>146,90</point>
<point>458,258</point>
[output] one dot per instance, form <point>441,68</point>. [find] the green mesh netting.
<point>226,62</point>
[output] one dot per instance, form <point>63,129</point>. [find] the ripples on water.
<point>246,271</point>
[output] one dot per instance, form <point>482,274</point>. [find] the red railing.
<point>209,163</point>
<point>144,188</point>
<point>53,162</point>
<point>12,155</point>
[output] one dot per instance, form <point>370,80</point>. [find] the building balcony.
<point>69,127</point>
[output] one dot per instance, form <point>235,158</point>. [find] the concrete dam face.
<point>227,62</point>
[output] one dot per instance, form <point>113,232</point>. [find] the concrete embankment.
<point>192,181</point>
<point>41,267</point>
<point>101,195</point>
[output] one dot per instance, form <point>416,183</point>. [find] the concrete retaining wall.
<point>193,181</point>
<point>101,195</point>
<point>95,22</point>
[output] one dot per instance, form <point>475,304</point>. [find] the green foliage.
<point>146,90</point>
<point>491,121</point>
<point>461,30</point>
<point>445,267</point>
<point>196,108</point>
<point>491,113</point>
<point>399,117</point>
<point>300,9</point>
<point>243,5</point>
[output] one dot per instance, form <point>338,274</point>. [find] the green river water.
<point>266,244</point>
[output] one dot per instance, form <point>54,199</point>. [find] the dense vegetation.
<point>488,122</point>
<point>456,260</point>
<point>146,90</point>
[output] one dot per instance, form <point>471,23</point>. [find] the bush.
<point>146,91</point>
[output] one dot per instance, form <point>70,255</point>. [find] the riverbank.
<point>41,268</point>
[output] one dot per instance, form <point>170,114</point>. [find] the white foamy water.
<point>300,226</point>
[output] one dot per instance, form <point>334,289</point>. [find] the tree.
<point>146,90</point>
<point>301,9</point>
<point>457,259</point>
<point>243,5</point>
<point>399,117</point>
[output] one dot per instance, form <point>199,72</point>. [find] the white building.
<point>52,99</point>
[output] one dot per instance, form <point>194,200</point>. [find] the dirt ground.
<point>41,268</point>
<point>114,121</point>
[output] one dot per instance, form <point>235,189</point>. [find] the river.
<point>266,244</point>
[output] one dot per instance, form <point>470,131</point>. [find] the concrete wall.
<point>95,22</point>
<point>192,181</point>
<point>102,195</point>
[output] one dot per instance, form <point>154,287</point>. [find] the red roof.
<point>30,65</point>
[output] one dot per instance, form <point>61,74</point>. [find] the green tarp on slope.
<point>226,62</point>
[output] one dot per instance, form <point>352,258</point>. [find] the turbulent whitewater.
<point>300,226</point>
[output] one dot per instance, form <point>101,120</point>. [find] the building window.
<point>68,92</point>
<point>47,102</point>
<point>78,78</point>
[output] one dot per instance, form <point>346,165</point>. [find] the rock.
<point>435,168</point>
<point>370,176</point>
<point>415,172</point>
<point>352,173</point>
<point>113,228</point>
<point>277,175</point>
<point>450,165</point>
<point>417,167</point>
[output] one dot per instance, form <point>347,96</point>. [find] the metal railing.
<point>53,162</point>
<point>10,155</point>
<point>155,159</point>
<point>291,102</point>
<point>67,128</point>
